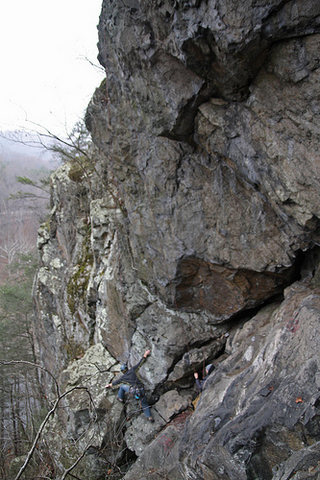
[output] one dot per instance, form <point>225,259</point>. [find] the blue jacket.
<point>200,383</point>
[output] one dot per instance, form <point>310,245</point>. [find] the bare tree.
<point>59,397</point>
<point>77,148</point>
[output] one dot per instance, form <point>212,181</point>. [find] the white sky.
<point>44,76</point>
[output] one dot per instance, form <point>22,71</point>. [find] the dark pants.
<point>144,404</point>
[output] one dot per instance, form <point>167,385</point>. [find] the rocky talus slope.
<point>195,235</point>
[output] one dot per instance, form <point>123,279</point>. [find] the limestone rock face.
<point>65,268</point>
<point>258,416</point>
<point>233,193</point>
<point>196,236</point>
<point>259,410</point>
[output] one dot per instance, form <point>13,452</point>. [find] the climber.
<point>131,383</point>
<point>201,383</point>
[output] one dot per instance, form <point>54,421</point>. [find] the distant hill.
<point>21,159</point>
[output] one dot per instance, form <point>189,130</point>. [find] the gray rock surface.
<point>196,235</point>
<point>260,404</point>
<point>233,195</point>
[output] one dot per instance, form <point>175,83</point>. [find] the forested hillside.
<point>22,205</point>
<point>24,202</point>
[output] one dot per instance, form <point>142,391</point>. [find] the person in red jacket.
<point>130,383</point>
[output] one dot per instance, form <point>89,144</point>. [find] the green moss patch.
<point>78,283</point>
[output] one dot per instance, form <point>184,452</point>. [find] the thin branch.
<point>27,196</point>
<point>42,426</point>
<point>67,472</point>
<point>98,67</point>
<point>31,364</point>
<point>28,143</point>
<point>74,476</point>
<point>53,136</point>
<point>31,451</point>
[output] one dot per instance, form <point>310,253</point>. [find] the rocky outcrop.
<point>258,415</point>
<point>265,400</point>
<point>195,235</point>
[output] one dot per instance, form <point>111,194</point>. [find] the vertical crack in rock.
<point>195,356</point>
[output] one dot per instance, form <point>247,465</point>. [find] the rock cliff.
<point>195,235</point>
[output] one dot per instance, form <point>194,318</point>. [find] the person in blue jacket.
<point>130,383</point>
<point>201,383</point>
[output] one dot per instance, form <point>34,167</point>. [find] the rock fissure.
<point>223,291</point>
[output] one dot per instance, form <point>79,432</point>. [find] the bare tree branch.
<point>98,67</point>
<point>42,426</point>
<point>67,472</point>
<point>70,143</point>
<point>31,364</point>
<point>47,417</point>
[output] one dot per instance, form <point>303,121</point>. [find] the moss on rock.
<point>78,282</point>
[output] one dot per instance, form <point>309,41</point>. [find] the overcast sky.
<point>44,75</point>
